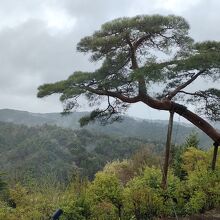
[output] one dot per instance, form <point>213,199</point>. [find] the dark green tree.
<point>137,54</point>
<point>192,140</point>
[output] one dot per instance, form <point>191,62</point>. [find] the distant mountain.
<point>150,130</point>
<point>33,119</point>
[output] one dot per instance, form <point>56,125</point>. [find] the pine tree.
<point>138,53</point>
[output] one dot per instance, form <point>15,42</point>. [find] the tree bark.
<point>197,121</point>
<point>206,128</point>
<point>184,112</point>
<point>167,151</point>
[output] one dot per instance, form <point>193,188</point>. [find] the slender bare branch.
<point>184,85</point>
<point>193,93</point>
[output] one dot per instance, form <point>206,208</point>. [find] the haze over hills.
<point>151,130</point>
<point>36,145</point>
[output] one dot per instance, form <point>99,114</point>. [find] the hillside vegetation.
<point>104,175</point>
<point>127,189</point>
<point>56,153</point>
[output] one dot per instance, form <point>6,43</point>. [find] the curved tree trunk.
<point>198,122</point>
<point>168,105</point>
<point>182,110</point>
<point>202,125</point>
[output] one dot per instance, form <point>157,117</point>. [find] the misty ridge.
<point>150,130</point>
<point>54,147</point>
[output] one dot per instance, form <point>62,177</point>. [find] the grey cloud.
<point>31,56</point>
<point>92,14</point>
<point>31,49</point>
<point>32,53</point>
<point>204,19</point>
<point>28,103</point>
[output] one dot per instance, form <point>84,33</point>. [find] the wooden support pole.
<point>215,154</point>
<point>167,151</point>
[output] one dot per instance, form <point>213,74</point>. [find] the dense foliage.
<point>126,189</point>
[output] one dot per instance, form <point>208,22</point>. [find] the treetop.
<point>137,53</point>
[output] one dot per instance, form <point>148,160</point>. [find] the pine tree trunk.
<point>167,152</point>
<point>205,127</point>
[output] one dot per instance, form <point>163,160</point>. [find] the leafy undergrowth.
<point>128,189</point>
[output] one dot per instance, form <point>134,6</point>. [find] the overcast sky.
<point>38,40</point>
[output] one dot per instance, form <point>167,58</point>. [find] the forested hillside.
<point>51,146</point>
<point>56,153</point>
